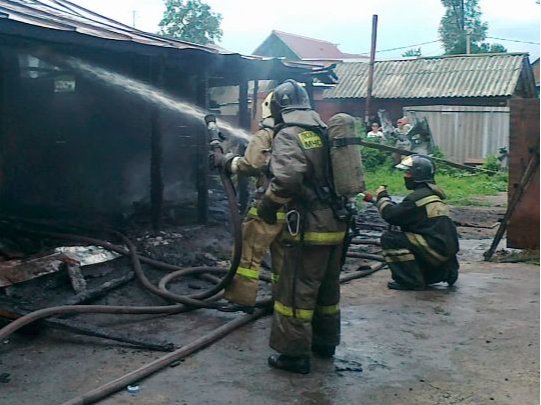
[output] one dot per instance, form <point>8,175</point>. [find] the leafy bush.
<point>492,163</point>
<point>374,159</point>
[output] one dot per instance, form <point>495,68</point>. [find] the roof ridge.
<point>303,36</point>
<point>471,56</point>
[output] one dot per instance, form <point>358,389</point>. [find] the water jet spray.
<point>148,93</point>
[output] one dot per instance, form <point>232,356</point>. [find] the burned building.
<point>90,121</point>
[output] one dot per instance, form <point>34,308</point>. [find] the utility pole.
<point>468,41</point>
<point>370,83</point>
<point>462,17</point>
<point>133,14</point>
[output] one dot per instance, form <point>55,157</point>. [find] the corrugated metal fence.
<point>466,133</point>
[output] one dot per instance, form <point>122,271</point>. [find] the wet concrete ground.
<point>477,343</point>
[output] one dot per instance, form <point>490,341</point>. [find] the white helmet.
<point>265,107</point>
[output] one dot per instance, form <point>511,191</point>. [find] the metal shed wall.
<point>466,132</point>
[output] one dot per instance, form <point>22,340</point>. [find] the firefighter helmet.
<point>266,106</point>
<point>287,96</point>
<point>420,168</point>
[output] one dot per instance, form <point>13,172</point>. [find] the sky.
<point>401,23</point>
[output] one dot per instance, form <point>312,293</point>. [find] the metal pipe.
<point>370,83</point>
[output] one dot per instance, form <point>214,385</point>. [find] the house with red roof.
<point>298,47</point>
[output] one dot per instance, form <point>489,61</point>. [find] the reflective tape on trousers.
<point>328,309</point>
<point>280,215</point>
<point>248,273</point>
<point>420,241</point>
<point>331,238</point>
<point>284,310</point>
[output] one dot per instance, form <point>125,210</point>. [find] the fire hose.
<point>183,303</point>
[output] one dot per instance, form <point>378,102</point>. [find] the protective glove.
<point>368,197</point>
<point>219,161</point>
<point>380,190</point>
<point>267,210</point>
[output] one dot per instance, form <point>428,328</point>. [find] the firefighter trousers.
<point>257,238</point>
<point>306,306</point>
<point>412,264</point>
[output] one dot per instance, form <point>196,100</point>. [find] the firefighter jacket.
<point>255,161</point>
<point>299,178</point>
<point>424,218</point>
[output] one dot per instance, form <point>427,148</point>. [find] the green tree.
<point>492,48</point>
<point>461,17</point>
<point>412,53</point>
<point>192,21</point>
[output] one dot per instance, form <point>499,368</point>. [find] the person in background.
<point>401,138</point>
<point>403,125</point>
<point>375,133</point>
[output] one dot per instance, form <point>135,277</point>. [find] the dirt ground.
<point>476,343</point>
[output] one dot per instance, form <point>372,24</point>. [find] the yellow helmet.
<point>265,107</point>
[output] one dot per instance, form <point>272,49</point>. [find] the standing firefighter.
<point>257,235</point>
<point>306,308</point>
<point>424,251</point>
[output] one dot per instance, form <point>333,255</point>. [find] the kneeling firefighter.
<point>424,251</point>
<point>306,309</point>
<point>257,235</point>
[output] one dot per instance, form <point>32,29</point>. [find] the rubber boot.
<point>393,285</point>
<point>452,272</point>
<point>292,364</point>
<point>324,351</point>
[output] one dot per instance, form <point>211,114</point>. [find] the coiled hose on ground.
<point>183,303</point>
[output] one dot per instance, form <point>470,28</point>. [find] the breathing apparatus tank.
<point>346,162</point>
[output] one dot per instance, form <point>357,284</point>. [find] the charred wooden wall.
<point>87,153</point>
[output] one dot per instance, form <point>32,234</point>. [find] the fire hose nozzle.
<point>210,118</point>
<point>215,136</point>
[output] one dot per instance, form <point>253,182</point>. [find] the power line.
<point>515,40</point>
<point>402,47</point>
<point>439,40</point>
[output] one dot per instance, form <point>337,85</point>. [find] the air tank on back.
<point>345,156</point>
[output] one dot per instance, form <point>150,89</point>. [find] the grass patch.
<point>524,256</point>
<point>460,188</point>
